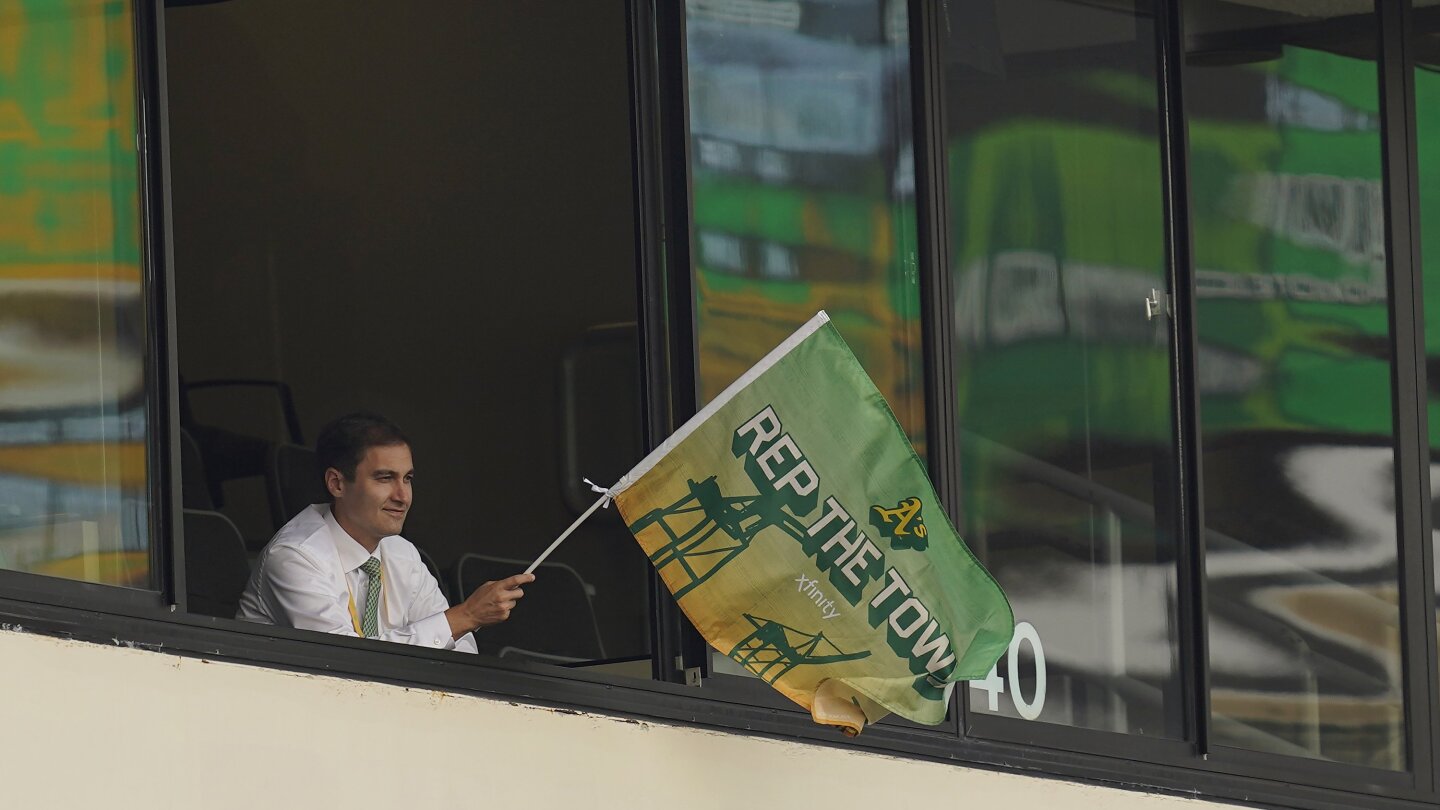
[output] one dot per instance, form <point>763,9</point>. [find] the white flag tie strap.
<point>608,492</point>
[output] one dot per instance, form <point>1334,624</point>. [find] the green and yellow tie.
<point>370,621</point>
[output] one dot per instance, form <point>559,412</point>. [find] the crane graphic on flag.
<point>707,529</point>
<point>774,649</point>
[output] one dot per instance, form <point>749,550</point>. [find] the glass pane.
<point>1294,372</point>
<point>803,179</point>
<point>1064,396</point>
<point>73,481</point>
<point>803,186</point>
<point>460,260</point>
<point>1425,45</point>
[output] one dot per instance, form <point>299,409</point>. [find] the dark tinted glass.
<point>1063,355</point>
<point>73,477</point>
<point>1294,372</point>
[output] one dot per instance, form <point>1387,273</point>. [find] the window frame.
<point>163,389</point>
<point>157,620</point>
<point>1195,753</point>
<point>1403,246</point>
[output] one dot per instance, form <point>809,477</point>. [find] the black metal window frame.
<point>156,619</point>
<point>1214,767</point>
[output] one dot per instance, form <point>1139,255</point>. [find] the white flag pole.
<point>604,500</point>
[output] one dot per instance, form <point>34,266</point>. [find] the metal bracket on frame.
<point>1158,303</point>
<point>692,674</point>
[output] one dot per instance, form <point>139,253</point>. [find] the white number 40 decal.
<point>993,685</point>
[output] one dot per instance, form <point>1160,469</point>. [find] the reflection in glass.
<point>73,480</point>
<point>1064,394</point>
<point>1294,382</point>
<point>803,184</point>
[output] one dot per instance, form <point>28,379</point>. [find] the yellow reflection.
<point>82,463</point>
<point>130,568</point>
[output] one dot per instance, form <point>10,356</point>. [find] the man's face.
<point>374,505</point>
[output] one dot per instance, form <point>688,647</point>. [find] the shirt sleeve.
<point>302,595</point>
<point>433,630</point>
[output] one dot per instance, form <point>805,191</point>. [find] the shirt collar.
<point>352,554</point>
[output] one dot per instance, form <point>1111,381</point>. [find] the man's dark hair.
<point>343,443</point>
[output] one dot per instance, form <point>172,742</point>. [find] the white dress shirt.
<point>310,571</point>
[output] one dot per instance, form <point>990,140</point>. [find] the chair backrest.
<point>194,485</point>
<point>292,480</point>
<point>435,572</point>
<point>555,619</point>
<point>216,568</point>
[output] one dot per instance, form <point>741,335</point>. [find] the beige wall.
<point>89,725</point>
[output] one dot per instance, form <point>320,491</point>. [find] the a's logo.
<point>903,525</point>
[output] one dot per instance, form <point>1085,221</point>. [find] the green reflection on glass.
<point>1063,400</point>
<point>802,184</point>
<point>1294,379</point>
<point>72,424</point>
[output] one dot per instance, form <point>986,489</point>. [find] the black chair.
<point>555,621</point>
<point>194,485</point>
<point>435,572</point>
<point>292,482</point>
<point>228,454</point>
<point>216,568</point>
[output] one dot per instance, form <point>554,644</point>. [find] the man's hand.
<point>491,603</point>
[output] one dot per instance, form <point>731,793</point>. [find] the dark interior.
<point>423,210</point>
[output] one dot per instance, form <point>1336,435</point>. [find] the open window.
<point>424,211</point>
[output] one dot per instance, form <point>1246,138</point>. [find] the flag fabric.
<point>799,533</point>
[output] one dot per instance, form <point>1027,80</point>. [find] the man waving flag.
<point>800,534</point>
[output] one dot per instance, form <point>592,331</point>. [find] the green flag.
<point>799,533</point>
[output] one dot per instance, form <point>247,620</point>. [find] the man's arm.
<point>428,601</point>
<point>303,593</point>
<point>491,603</point>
